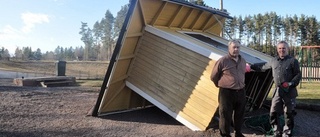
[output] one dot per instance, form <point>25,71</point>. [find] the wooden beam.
<point>175,16</point>
<point>117,93</point>
<point>196,20</point>
<point>218,22</point>
<point>158,13</point>
<point>186,18</point>
<point>207,22</point>
<point>142,13</point>
<point>134,35</point>
<point>118,79</point>
<point>126,57</point>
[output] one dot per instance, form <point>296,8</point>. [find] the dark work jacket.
<point>284,70</point>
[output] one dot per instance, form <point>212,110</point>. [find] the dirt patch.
<point>61,111</point>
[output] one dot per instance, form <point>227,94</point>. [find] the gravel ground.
<point>62,111</point>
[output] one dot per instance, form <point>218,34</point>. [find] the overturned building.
<point>164,56</point>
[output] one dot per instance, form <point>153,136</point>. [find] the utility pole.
<point>221,8</point>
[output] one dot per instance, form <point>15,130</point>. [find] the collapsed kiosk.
<point>164,56</point>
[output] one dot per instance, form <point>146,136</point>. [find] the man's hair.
<point>284,42</point>
<point>234,41</point>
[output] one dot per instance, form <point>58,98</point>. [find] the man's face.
<point>234,49</point>
<point>282,50</point>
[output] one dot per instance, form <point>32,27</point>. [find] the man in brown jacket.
<point>229,75</point>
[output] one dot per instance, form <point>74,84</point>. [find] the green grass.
<point>308,93</point>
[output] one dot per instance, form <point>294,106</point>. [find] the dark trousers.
<point>281,103</point>
<point>231,109</point>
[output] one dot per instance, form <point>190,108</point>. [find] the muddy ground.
<point>62,111</point>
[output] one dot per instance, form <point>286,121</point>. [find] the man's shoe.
<point>287,133</point>
<point>277,134</point>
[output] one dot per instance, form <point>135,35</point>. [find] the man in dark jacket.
<point>286,76</point>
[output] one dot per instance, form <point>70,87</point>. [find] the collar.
<point>285,57</point>
<point>239,56</point>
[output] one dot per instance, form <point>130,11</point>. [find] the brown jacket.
<point>227,73</point>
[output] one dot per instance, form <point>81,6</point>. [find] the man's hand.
<point>286,84</point>
<point>248,68</point>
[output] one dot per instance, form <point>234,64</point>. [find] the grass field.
<point>308,93</point>
<point>88,73</point>
<point>79,69</point>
